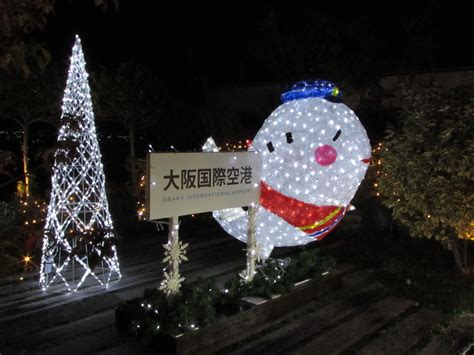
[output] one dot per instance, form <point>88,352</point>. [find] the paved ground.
<point>358,318</point>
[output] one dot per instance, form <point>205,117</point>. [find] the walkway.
<point>358,318</point>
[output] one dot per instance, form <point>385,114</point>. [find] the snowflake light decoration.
<point>175,251</point>
<point>175,254</point>
<point>79,240</point>
<point>171,283</point>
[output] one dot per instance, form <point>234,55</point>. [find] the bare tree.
<point>27,102</point>
<point>128,95</point>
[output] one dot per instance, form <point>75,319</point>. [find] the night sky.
<point>232,43</point>
<point>189,48</point>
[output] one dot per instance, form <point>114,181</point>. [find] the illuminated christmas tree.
<point>79,239</point>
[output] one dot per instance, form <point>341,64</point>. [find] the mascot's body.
<point>315,153</point>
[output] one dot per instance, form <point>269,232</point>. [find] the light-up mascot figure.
<point>315,153</point>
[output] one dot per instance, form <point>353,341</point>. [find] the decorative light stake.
<point>79,239</point>
<point>315,153</point>
<point>175,253</point>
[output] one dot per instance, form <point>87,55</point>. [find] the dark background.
<point>190,48</point>
<point>253,42</point>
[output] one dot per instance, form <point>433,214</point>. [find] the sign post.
<point>186,183</point>
<point>251,244</point>
<point>173,239</point>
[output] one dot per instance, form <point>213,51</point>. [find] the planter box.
<point>230,330</point>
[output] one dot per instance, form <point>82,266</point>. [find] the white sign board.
<point>185,183</point>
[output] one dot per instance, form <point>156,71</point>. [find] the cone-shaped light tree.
<point>79,241</point>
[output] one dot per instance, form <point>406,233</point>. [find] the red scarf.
<point>311,219</point>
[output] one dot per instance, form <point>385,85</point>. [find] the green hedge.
<point>199,303</point>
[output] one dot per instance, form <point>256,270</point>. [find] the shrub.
<point>427,167</point>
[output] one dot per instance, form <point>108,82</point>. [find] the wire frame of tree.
<point>79,241</point>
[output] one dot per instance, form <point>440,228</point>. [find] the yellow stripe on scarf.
<point>321,222</point>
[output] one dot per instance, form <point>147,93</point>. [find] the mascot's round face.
<point>315,153</point>
<point>313,150</point>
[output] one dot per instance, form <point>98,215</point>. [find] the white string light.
<point>315,153</point>
<point>78,204</point>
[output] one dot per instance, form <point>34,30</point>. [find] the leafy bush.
<point>194,307</point>
<point>309,265</point>
<point>21,229</point>
<point>198,304</point>
<point>427,167</point>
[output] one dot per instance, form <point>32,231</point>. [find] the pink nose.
<point>325,155</point>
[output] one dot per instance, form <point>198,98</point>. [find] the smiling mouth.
<point>366,160</point>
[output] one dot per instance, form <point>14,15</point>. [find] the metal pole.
<point>173,239</point>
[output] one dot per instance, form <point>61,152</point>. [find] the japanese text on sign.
<point>197,178</point>
<point>186,183</point>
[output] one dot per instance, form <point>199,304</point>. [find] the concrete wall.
<point>448,79</point>
<point>248,99</point>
